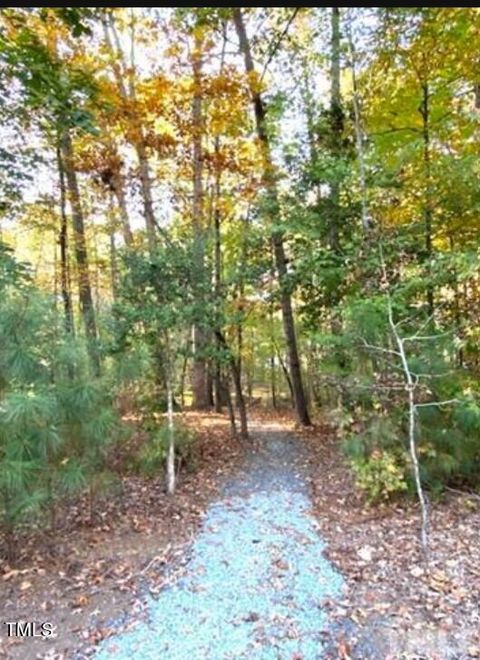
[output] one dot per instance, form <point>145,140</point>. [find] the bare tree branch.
<point>276,45</point>
<point>436,403</point>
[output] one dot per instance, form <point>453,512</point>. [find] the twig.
<point>276,45</point>
<point>151,562</point>
<point>436,403</point>
<point>427,337</point>
<point>380,349</point>
<point>463,492</point>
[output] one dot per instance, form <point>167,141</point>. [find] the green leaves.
<point>62,94</point>
<point>55,426</point>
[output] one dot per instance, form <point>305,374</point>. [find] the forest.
<point>215,220</point>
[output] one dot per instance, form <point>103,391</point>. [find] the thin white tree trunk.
<point>411,385</point>
<point>171,438</point>
<point>366,224</point>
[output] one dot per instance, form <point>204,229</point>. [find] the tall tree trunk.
<point>63,241</point>
<point>171,434</point>
<point>85,290</point>
<point>113,251</point>
<point>237,383</point>
<point>231,411</point>
<point>336,125</point>
<point>120,74</point>
<point>220,398</point>
<point>308,108</point>
<point>456,307</point>
<point>273,382</point>
<point>359,133</point>
<point>113,264</point>
<point>217,278</point>
<point>146,188</point>
<point>273,375</point>
<point>119,191</point>
<point>428,201</point>
<point>240,399</point>
<point>287,376</point>
<point>277,235</point>
<point>336,140</point>
<point>199,367</point>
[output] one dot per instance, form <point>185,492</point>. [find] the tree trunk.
<point>287,376</point>
<point>231,411</point>
<point>171,437</point>
<point>182,380</point>
<point>336,126</point>
<point>273,383</point>
<point>359,135</point>
<point>277,235</point>
<point>85,290</point>
<point>237,382</point>
<point>336,139</point>
<point>428,202</point>
<point>217,275</point>
<point>457,308</point>
<point>146,189</point>
<point>119,190</point>
<point>120,73</point>
<point>113,255</point>
<point>63,241</point>
<point>239,399</point>
<point>199,373</point>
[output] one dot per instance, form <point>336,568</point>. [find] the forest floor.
<point>240,543</point>
<point>395,606</point>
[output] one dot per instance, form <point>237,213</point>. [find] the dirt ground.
<point>88,576</point>
<point>394,605</point>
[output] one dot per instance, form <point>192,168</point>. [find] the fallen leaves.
<point>393,597</point>
<point>94,571</point>
<point>365,553</point>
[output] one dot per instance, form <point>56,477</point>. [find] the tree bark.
<point>63,241</point>
<point>217,275</point>
<point>336,125</point>
<point>146,188</point>
<point>237,383</point>
<point>277,235</point>
<point>231,411</point>
<point>81,254</point>
<point>336,140</point>
<point>113,252</point>
<point>287,376</point>
<point>171,437</point>
<point>119,191</point>
<point>428,202</point>
<point>273,382</point>
<point>239,399</point>
<point>199,367</point>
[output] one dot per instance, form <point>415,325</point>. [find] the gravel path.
<point>257,577</point>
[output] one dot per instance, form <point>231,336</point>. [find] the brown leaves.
<point>80,601</point>
<point>98,570</point>
<point>377,551</point>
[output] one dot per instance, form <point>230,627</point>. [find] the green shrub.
<point>150,459</point>
<point>57,422</point>
<point>380,476</point>
<point>378,459</point>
